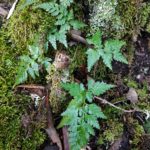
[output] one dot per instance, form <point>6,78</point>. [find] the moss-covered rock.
<point>120,18</point>
<point>15,35</point>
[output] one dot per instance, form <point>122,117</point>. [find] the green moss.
<point>132,84</point>
<point>25,23</point>
<point>14,39</point>
<point>145,15</point>
<point>113,131</point>
<point>78,56</point>
<point>12,107</point>
<point>137,132</point>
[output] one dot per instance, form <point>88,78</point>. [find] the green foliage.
<point>109,51</point>
<point>132,84</point>
<point>12,106</point>
<point>53,25</point>
<point>64,21</point>
<point>31,64</point>
<point>145,14</point>
<point>82,115</point>
<point>147,126</point>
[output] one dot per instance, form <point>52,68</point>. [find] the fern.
<point>82,115</point>
<point>109,51</point>
<point>29,65</point>
<point>66,2</point>
<point>64,21</point>
<point>27,3</point>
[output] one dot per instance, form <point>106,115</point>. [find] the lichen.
<point>108,16</point>
<point>103,16</point>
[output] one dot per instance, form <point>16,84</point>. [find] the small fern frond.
<point>27,3</point>
<point>66,3</point>
<point>29,65</point>
<point>98,88</point>
<point>109,51</point>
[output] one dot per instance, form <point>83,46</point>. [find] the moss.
<point>132,84</point>
<point>12,106</point>
<point>78,56</point>
<point>136,131</point>
<point>145,23</point>
<point>112,132</point>
<point>14,39</point>
<point>26,23</point>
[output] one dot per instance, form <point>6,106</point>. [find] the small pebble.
<point>132,96</point>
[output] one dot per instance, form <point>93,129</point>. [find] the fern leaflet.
<point>109,51</point>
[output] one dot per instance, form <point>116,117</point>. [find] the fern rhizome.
<point>82,114</point>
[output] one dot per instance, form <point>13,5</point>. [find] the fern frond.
<point>27,3</point>
<point>51,7</point>
<point>82,116</point>
<point>52,39</point>
<point>74,89</point>
<point>64,21</point>
<point>109,51</point>
<point>98,88</point>
<point>29,64</point>
<point>66,3</point>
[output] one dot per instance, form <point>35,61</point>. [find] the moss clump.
<point>26,23</point>
<point>14,39</point>
<point>113,131</point>
<point>78,56</point>
<point>145,15</point>
<point>136,131</point>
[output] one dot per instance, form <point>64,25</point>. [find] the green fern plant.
<point>64,21</point>
<point>108,51</point>
<point>29,64</point>
<point>82,115</point>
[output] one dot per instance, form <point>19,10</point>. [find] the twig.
<point>51,131</point>
<point>124,110</point>
<point>12,9</point>
<point>65,138</point>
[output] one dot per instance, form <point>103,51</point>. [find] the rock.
<point>132,96</point>
<point>3,12</point>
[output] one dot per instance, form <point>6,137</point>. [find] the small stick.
<point>124,110</point>
<point>12,9</point>
<point>65,138</point>
<point>51,131</point>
